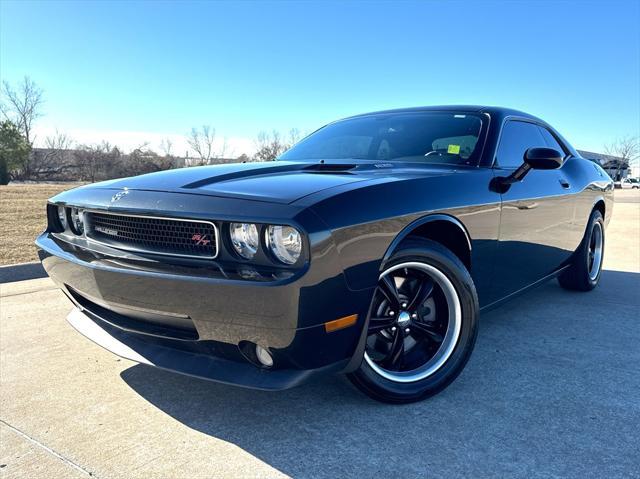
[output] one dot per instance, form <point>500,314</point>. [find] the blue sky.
<point>146,70</point>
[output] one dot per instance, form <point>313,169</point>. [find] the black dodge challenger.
<point>368,248</point>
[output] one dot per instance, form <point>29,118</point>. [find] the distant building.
<point>616,167</point>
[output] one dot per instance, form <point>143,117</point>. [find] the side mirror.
<point>534,159</point>
<point>543,158</point>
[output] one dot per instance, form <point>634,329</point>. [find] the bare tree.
<point>294,137</point>
<point>98,161</point>
<point>104,161</point>
<point>58,141</point>
<point>270,146</point>
<point>627,149</point>
<point>54,160</point>
<point>22,105</point>
<point>201,142</point>
<point>166,146</point>
<point>144,160</point>
<point>142,147</point>
<point>224,149</point>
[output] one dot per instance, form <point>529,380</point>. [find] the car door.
<point>536,219</point>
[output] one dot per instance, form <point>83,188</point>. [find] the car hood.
<point>278,181</point>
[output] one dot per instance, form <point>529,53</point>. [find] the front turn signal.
<point>341,323</point>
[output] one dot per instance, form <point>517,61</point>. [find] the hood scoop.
<point>332,168</point>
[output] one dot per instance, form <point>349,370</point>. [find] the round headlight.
<point>285,243</point>
<point>244,238</point>
<point>77,221</point>
<point>62,216</point>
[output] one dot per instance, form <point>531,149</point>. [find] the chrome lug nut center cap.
<point>404,318</point>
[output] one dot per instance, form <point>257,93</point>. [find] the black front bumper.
<point>198,321</point>
<point>188,359</point>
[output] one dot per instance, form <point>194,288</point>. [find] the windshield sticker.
<point>453,149</point>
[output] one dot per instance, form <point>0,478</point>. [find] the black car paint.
<point>352,215</point>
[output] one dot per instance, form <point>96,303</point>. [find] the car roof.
<point>495,111</point>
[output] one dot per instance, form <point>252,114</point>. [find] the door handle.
<point>564,183</point>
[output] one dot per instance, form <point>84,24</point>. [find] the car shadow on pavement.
<point>552,389</point>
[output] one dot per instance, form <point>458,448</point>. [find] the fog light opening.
<point>263,356</point>
<point>259,356</point>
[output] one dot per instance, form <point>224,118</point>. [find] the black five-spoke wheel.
<point>415,322</point>
<point>422,324</point>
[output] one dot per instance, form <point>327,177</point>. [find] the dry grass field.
<point>22,215</point>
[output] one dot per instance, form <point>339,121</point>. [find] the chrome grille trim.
<point>89,234</point>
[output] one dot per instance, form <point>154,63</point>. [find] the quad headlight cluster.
<point>283,242</point>
<point>71,218</point>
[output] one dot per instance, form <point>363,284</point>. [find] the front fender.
<point>410,228</point>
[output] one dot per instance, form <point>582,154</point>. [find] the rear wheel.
<point>422,325</point>
<point>586,264</point>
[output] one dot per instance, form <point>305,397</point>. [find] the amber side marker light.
<point>341,323</point>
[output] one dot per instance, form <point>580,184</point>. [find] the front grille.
<point>166,236</point>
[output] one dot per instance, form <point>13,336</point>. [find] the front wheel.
<point>422,325</point>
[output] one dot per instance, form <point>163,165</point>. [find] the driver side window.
<point>517,137</point>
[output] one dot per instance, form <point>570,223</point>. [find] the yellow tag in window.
<point>453,149</point>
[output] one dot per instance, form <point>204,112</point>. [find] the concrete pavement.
<point>21,272</point>
<point>552,390</point>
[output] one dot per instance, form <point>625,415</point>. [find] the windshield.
<point>430,137</point>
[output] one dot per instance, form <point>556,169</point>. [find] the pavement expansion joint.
<point>46,448</point>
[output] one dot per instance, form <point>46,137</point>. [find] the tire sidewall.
<point>576,277</point>
<point>596,217</point>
